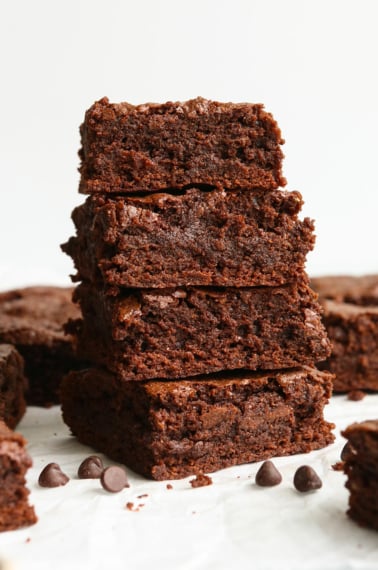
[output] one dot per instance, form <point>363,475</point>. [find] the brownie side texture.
<point>353,332</point>
<point>32,319</point>
<point>127,148</point>
<point>358,290</point>
<point>15,511</point>
<point>173,333</point>
<point>361,468</point>
<point>236,238</point>
<point>12,385</point>
<point>172,429</point>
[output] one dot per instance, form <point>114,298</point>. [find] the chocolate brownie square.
<point>15,511</point>
<point>32,319</point>
<point>361,468</point>
<point>172,429</point>
<point>12,385</point>
<point>235,238</point>
<point>173,333</point>
<point>149,147</point>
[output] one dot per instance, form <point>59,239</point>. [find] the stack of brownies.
<point>197,315</point>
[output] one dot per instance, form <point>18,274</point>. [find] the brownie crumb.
<point>356,395</point>
<point>169,486</point>
<point>134,509</point>
<point>142,496</point>
<point>201,480</point>
<point>338,466</point>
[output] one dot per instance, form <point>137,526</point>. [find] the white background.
<point>313,64</point>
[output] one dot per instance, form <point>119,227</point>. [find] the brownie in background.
<point>32,319</point>
<point>361,468</point>
<point>350,305</point>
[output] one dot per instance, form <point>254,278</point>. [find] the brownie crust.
<point>32,319</point>
<point>215,238</point>
<point>169,430</point>
<point>12,385</point>
<point>15,511</point>
<point>173,333</point>
<point>149,147</point>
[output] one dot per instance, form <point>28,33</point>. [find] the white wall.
<point>312,62</point>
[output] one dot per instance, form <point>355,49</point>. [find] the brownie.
<point>127,148</point>
<point>15,511</point>
<point>12,385</point>
<point>172,429</point>
<point>195,237</point>
<point>172,333</point>
<point>361,468</point>
<point>353,331</point>
<point>359,290</point>
<point>32,319</point>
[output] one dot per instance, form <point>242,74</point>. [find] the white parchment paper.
<point>229,524</point>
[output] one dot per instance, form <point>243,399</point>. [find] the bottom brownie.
<point>12,385</point>
<point>15,511</point>
<point>172,429</point>
<point>361,468</point>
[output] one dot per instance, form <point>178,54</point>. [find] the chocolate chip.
<point>268,475</point>
<point>114,479</point>
<point>306,479</point>
<point>91,468</point>
<point>52,476</point>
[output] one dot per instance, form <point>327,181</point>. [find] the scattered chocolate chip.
<point>306,479</point>
<point>169,486</point>
<point>52,476</point>
<point>91,468</point>
<point>356,395</point>
<point>201,480</point>
<point>114,479</point>
<point>268,475</point>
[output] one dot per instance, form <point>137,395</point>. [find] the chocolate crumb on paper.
<point>201,480</point>
<point>356,395</point>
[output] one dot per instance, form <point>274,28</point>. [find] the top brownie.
<point>127,148</point>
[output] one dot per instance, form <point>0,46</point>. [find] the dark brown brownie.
<point>173,333</point>
<point>127,148</point>
<point>359,290</point>
<point>353,331</point>
<point>361,468</point>
<point>237,238</point>
<point>172,429</point>
<point>15,511</point>
<point>32,319</point>
<point>12,385</point>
